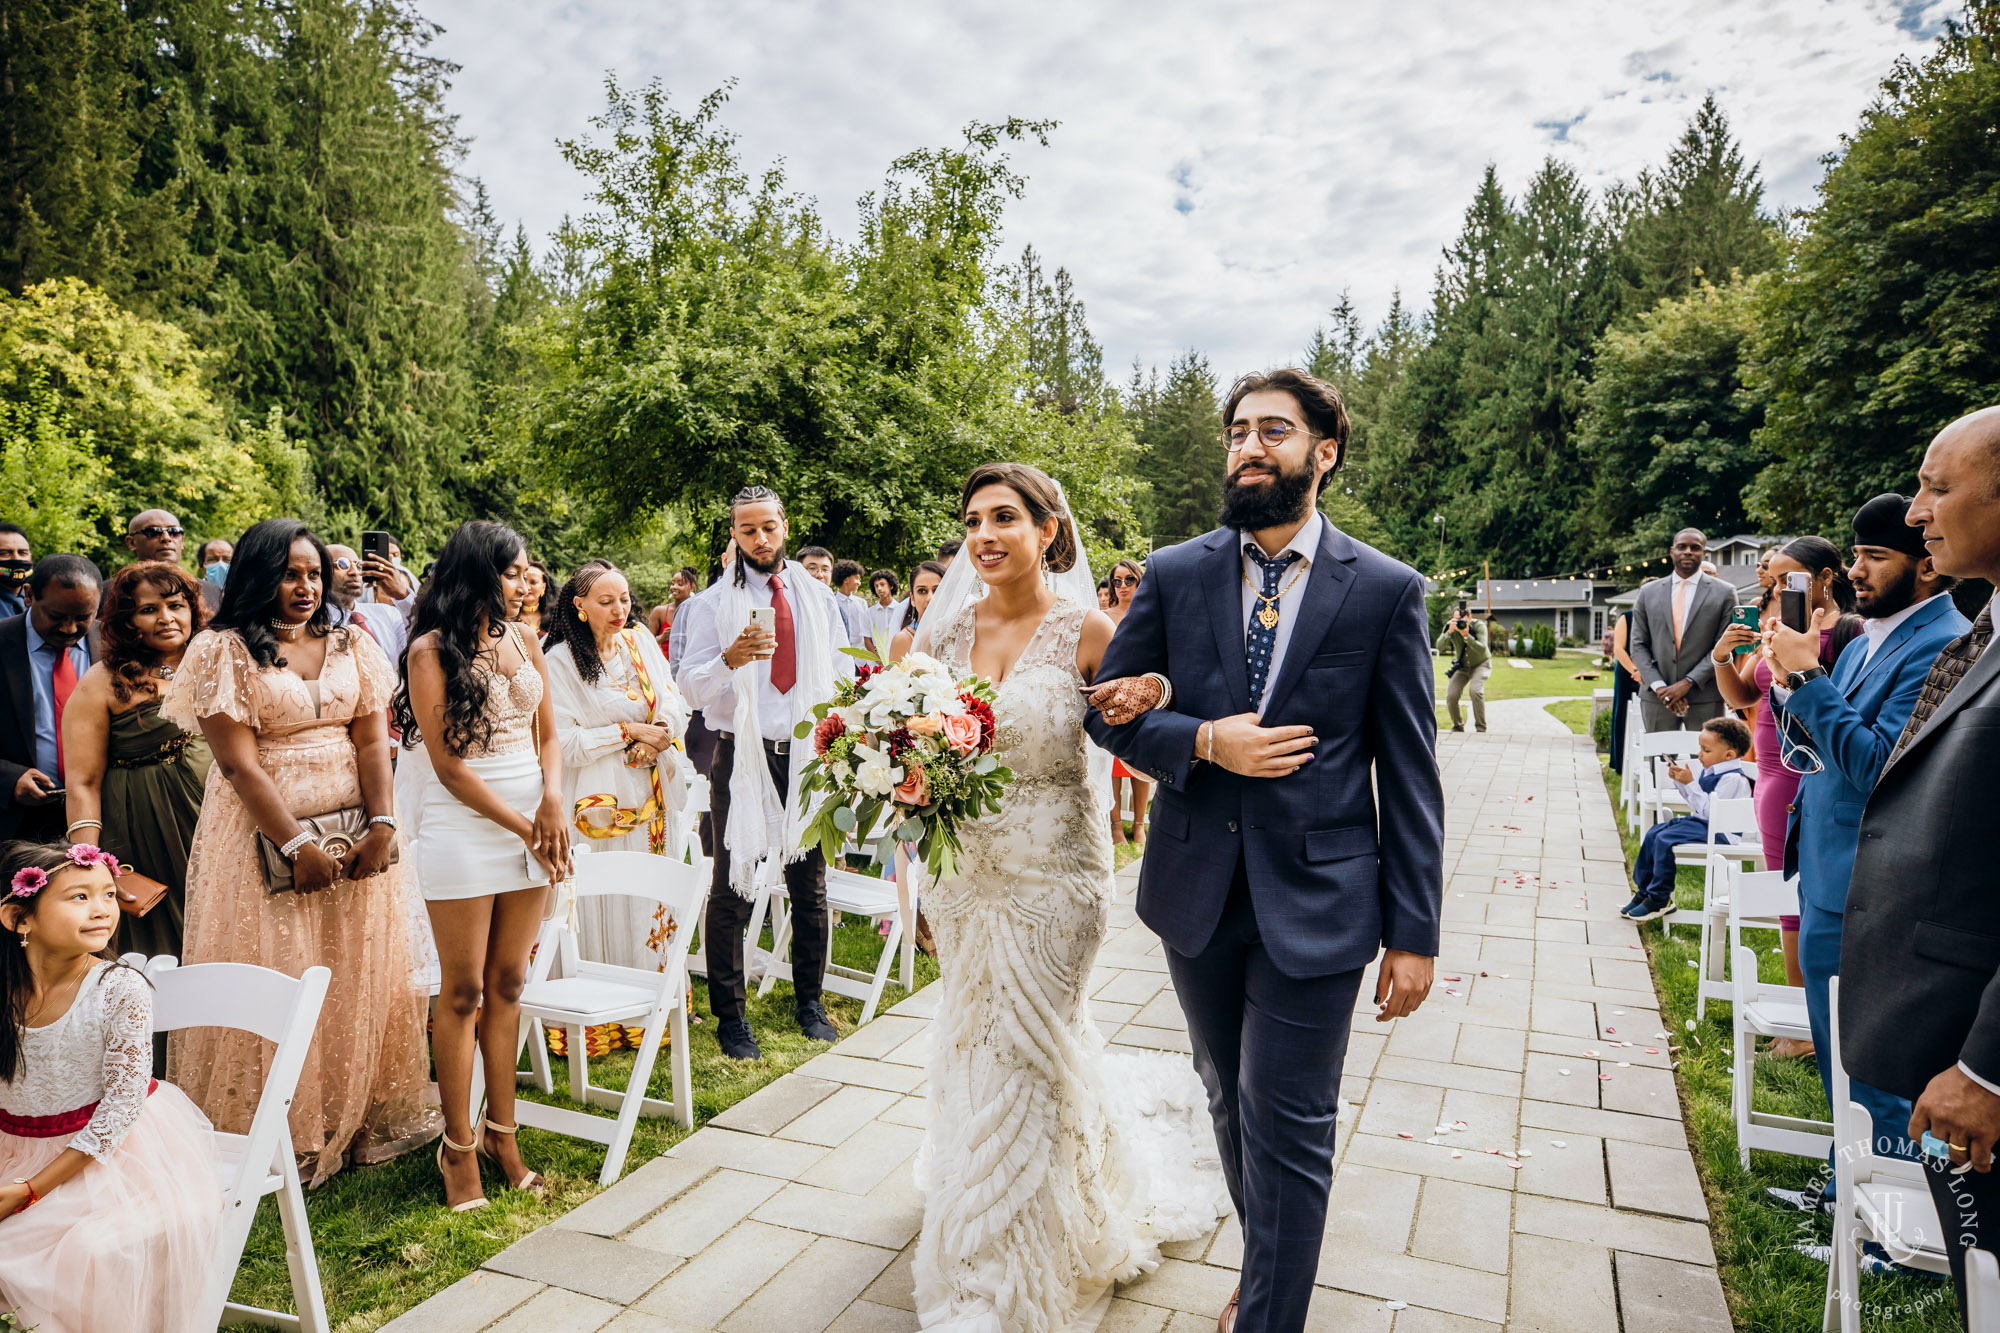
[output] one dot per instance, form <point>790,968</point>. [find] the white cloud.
<point>1221,171</point>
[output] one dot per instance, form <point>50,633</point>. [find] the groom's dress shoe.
<point>1227,1324</point>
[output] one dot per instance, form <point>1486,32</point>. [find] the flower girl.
<point>110,1206</point>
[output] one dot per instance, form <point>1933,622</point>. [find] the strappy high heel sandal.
<point>470,1204</point>
<point>533,1180</point>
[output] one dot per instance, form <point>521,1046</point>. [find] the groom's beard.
<point>1285,498</point>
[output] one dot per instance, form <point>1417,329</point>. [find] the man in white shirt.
<point>782,663</point>
<point>883,616</point>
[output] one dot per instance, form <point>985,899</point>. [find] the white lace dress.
<point>1051,1168</point>
<point>127,1242</point>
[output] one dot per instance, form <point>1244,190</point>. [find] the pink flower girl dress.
<point>128,1243</point>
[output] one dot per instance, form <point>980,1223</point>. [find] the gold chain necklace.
<point>1267,616</point>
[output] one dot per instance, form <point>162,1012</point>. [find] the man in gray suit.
<point>1675,624</point>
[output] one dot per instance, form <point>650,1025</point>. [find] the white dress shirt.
<point>1674,582</point>
<point>707,680</point>
<point>1306,543</point>
<point>1877,632</point>
<point>879,623</point>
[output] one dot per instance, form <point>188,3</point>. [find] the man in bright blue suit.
<point>1851,719</point>
<point>1298,828</point>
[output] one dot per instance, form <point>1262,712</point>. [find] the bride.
<point>1051,1169</point>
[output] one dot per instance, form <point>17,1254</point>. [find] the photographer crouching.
<point>1465,638</point>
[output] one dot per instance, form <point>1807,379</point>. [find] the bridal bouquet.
<point>909,740</point>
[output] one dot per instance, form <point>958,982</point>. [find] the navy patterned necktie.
<point>1263,633</point>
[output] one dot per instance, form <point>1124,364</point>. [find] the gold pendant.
<point>633,695</point>
<point>1268,617</point>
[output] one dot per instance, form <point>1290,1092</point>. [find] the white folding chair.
<point>280,1009</point>
<point>1726,866</point>
<point>1982,1291</point>
<point>1881,1199</point>
<point>564,990</point>
<point>1762,1010</point>
<point>876,900</point>
<point>1657,793</point>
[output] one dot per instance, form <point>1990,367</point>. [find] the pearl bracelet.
<point>304,836</point>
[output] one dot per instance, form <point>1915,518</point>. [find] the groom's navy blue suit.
<point>1274,894</point>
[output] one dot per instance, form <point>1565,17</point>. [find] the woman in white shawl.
<point>625,777</point>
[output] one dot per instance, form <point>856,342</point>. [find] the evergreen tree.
<point>1181,440</point>
<point>1881,329</point>
<point>1668,434</point>
<point>1698,216</point>
<point>1064,366</point>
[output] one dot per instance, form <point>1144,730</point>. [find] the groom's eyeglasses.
<point>1272,432</point>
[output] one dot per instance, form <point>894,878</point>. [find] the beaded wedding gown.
<point>1052,1168</point>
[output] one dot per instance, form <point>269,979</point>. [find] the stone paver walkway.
<point>794,1211</point>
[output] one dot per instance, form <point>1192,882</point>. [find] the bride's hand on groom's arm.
<point>1401,984</point>
<point>1126,698</point>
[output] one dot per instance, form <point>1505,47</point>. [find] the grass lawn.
<point>1770,1287</point>
<point>384,1238</point>
<point>1572,713</point>
<point>1542,678</point>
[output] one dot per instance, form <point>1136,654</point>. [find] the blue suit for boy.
<point>1853,718</point>
<point>1653,869</point>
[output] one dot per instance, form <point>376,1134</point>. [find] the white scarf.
<point>761,829</point>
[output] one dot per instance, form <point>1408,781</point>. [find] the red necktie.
<point>62,684</point>
<point>784,659</point>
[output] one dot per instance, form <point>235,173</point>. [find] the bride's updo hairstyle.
<point>1039,496</point>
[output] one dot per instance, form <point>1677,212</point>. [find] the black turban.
<point>1880,523</point>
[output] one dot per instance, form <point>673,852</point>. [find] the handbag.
<point>139,894</point>
<point>336,832</point>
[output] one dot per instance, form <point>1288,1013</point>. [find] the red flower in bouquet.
<point>978,708</point>
<point>898,741</point>
<point>829,730</point>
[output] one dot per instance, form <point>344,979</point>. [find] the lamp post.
<point>1438,518</point>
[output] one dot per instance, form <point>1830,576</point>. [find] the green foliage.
<point>1697,218</point>
<point>49,470</point>
<point>1481,425</point>
<point>1178,426</point>
<point>721,338</point>
<point>1669,430</point>
<point>1884,328</point>
<point>134,393</point>
<point>1541,643</point>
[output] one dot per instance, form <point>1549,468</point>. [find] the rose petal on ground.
<point>1515,1165</point>
<point>1449,991</point>
<point>1652,1050</point>
<point>1404,1134</point>
<point>1456,1153</point>
<point>1527,1152</point>
<point>1590,1055</point>
<point>1399,1305</point>
<point>1609,1030</point>
<point>1563,1072</point>
<point>1604,1078</point>
<point>1454,978</point>
<point>1624,1064</point>
<point>1557,1143</point>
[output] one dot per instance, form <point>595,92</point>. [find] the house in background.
<point>1735,560</point>
<point>1564,605</point>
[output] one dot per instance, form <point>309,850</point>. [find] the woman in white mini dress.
<point>481,780</point>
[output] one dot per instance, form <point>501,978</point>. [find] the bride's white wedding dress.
<point>1052,1168</point>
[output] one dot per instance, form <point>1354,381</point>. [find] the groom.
<point>1301,693</point>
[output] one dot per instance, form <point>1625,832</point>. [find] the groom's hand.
<point>1241,745</point>
<point>1401,984</point>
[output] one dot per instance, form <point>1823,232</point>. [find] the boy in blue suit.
<point>1723,776</point>
<point>1850,720</point>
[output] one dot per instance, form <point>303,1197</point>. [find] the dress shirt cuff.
<point>1993,1088</point>
<point>1658,687</point>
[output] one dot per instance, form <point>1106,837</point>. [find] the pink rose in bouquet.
<point>962,732</point>
<point>913,790</point>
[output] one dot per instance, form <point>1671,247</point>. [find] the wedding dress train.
<point>1052,1168</point>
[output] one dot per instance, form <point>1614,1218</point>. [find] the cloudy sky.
<point>1222,171</point>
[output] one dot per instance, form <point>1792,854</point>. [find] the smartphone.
<point>764,618</point>
<point>1792,601</point>
<point>1746,616</point>
<point>375,545</point>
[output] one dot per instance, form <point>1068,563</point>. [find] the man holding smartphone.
<point>1849,719</point>
<point>763,646</point>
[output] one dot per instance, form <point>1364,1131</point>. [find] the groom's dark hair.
<point>1319,403</point>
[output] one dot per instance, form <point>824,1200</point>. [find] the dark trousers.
<point>1268,1048</point>
<point>728,912</point>
<point>1968,1208</point>
<point>1653,869</point>
<point>1819,963</point>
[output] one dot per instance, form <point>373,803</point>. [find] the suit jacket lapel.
<point>1326,588</point>
<point>1978,678</point>
<point>1897,643</point>
<point>1222,577</point>
<point>20,685</point>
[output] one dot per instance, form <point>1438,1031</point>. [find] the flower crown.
<point>31,880</point>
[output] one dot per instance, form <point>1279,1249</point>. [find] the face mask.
<point>216,573</point>
<point>14,574</point>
